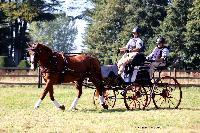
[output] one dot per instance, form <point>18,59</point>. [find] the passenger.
<point>159,55</point>
<point>134,46</point>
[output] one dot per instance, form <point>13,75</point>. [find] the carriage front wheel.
<point>135,97</point>
<point>167,93</point>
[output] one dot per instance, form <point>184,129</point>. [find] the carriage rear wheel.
<point>135,97</point>
<point>109,97</point>
<point>167,93</point>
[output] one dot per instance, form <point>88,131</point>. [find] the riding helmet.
<point>136,29</point>
<point>160,40</point>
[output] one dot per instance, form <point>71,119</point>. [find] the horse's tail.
<point>96,75</point>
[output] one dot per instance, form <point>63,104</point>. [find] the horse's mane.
<point>46,48</point>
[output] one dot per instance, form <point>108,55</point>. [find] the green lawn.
<point>17,113</point>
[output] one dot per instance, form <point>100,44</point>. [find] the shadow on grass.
<point>114,110</point>
<point>99,110</point>
<point>103,110</point>
<point>148,109</point>
<point>192,109</point>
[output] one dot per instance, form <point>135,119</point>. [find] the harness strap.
<point>53,60</point>
<point>65,68</point>
<point>62,74</point>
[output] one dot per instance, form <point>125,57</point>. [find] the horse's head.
<point>38,52</point>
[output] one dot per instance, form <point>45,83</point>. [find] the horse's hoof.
<point>71,109</point>
<point>62,107</point>
<point>105,106</point>
<point>75,109</point>
<point>36,107</point>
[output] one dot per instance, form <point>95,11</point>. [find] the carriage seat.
<point>109,70</point>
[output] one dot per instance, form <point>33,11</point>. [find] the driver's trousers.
<point>153,66</point>
<point>126,58</point>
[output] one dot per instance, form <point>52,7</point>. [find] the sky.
<point>81,24</point>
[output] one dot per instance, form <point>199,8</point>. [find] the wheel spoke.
<point>136,97</point>
<point>171,102</point>
<point>169,92</point>
<point>162,102</point>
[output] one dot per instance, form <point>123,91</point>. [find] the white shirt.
<point>158,53</point>
<point>134,43</point>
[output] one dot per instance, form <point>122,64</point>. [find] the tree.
<point>192,54</point>
<point>148,14</point>
<point>111,23</point>
<point>173,28</point>
<point>102,34</point>
<point>59,34</point>
<point>4,35</point>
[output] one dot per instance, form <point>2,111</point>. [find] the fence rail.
<point>14,75</point>
<point>185,78</point>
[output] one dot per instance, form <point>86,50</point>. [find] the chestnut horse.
<point>57,68</point>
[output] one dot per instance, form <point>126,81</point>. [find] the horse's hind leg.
<point>78,85</point>
<point>99,91</point>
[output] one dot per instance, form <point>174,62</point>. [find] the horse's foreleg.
<point>79,93</point>
<point>57,104</point>
<point>43,94</point>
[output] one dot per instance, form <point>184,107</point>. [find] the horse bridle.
<point>35,54</point>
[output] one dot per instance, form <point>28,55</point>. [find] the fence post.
<point>39,78</point>
<point>175,73</point>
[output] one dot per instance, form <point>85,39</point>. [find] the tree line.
<point>111,23</point>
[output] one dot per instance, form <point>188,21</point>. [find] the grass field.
<point>17,114</point>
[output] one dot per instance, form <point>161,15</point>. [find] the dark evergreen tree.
<point>148,14</point>
<point>173,28</point>
<point>192,45</point>
<point>4,35</point>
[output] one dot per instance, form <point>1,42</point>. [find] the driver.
<point>134,46</point>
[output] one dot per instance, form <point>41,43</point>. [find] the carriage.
<point>137,88</point>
